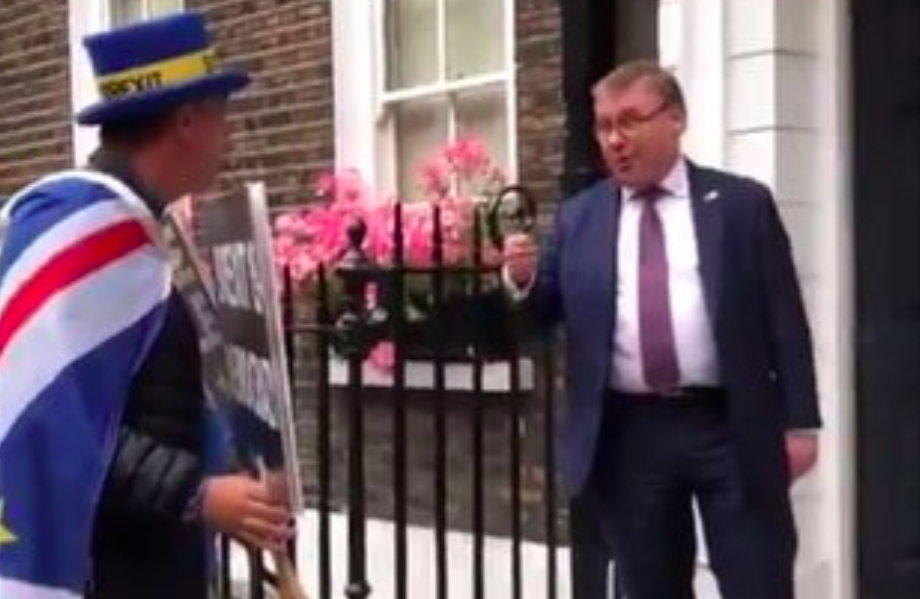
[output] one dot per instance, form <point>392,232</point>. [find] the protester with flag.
<point>105,485</point>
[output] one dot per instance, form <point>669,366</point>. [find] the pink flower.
<point>318,234</point>
<point>285,247</point>
<point>418,233</point>
<point>452,182</point>
<point>383,357</point>
<point>344,189</point>
<point>285,222</point>
<point>467,156</point>
<point>325,185</point>
<point>372,296</point>
<point>491,256</point>
<point>303,267</point>
<point>435,179</point>
<point>379,239</point>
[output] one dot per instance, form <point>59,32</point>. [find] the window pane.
<point>126,11</point>
<point>483,115</point>
<point>129,11</point>
<point>411,42</point>
<point>161,7</point>
<point>475,37</point>
<point>421,129</point>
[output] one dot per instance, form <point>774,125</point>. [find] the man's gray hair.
<point>647,71</point>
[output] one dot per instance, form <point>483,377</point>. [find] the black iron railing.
<point>346,325</point>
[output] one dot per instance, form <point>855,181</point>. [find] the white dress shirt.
<point>696,349</point>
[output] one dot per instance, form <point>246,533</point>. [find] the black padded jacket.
<point>143,545</point>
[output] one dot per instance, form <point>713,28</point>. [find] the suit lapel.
<point>707,201</point>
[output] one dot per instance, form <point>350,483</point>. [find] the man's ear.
<point>679,121</point>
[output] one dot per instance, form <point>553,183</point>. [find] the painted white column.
<point>355,68</point>
<point>765,82</point>
<point>85,16</point>
<point>834,316</point>
<point>786,125</point>
<point>692,43</point>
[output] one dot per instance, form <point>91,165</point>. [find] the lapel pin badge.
<point>711,195</point>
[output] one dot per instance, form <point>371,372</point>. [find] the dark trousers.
<point>658,455</point>
<point>590,554</point>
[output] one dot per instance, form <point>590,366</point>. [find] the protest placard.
<point>233,291</point>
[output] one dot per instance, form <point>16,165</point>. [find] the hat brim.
<point>159,100</point>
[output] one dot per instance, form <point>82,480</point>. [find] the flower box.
<point>461,327</point>
<point>452,237</point>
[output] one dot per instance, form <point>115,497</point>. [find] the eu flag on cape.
<point>83,289</point>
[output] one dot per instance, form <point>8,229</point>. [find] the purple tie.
<point>656,329</point>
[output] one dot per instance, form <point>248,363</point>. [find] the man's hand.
<point>245,508</point>
<point>802,453</point>
<point>520,258</point>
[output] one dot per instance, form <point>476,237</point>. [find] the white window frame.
<point>145,8</point>
<point>365,132</point>
<point>85,17</point>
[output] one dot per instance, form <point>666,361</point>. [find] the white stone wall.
<point>766,83</point>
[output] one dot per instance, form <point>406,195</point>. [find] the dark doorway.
<point>597,35</point>
<point>886,87</point>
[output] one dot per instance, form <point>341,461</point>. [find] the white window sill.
<point>458,376</point>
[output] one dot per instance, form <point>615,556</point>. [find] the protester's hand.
<point>802,453</point>
<point>520,258</point>
<point>244,508</point>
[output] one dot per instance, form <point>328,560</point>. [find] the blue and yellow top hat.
<point>149,67</point>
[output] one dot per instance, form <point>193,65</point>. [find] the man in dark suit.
<point>689,357</point>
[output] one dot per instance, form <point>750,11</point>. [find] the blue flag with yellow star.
<point>83,286</point>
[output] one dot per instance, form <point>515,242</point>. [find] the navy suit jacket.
<point>754,302</point>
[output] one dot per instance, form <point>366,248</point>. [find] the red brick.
<point>283,121</point>
<point>35,110</point>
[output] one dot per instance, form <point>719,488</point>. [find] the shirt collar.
<point>675,184</point>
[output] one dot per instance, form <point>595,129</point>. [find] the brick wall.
<point>35,110</point>
<point>284,121</point>
<point>540,109</point>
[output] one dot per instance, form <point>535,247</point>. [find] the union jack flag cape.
<point>84,283</point>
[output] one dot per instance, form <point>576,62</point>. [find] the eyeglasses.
<point>631,124</point>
